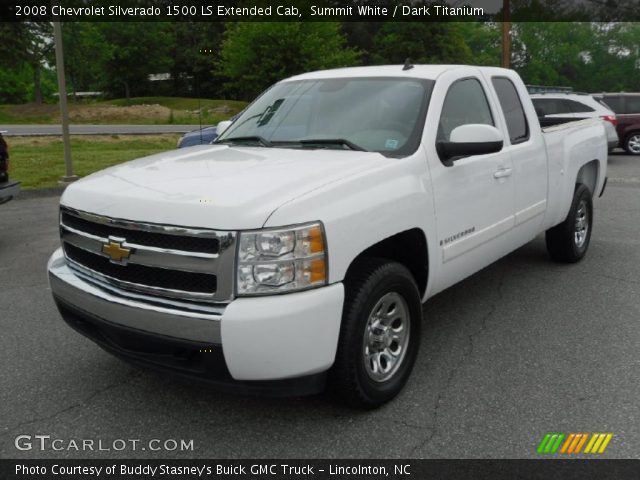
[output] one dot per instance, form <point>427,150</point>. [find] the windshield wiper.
<point>253,138</point>
<point>332,141</point>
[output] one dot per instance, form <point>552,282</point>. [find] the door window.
<point>512,107</point>
<point>465,103</point>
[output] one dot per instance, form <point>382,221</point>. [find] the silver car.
<point>555,108</point>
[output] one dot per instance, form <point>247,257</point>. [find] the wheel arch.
<point>588,175</point>
<point>408,248</point>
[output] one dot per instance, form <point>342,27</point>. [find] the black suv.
<point>8,189</point>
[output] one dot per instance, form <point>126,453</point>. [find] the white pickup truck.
<point>297,250</point>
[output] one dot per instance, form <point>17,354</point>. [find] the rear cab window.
<point>511,105</point>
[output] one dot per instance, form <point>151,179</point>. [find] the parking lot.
<point>522,348</point>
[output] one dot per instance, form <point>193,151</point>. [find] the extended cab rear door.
<point>525,146</point>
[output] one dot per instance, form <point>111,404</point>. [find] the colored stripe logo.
<point>573,443</point>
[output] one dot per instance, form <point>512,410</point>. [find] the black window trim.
<point>527,137</point>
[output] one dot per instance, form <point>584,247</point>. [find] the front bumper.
<point>275,345</point>
<point>9,190</point>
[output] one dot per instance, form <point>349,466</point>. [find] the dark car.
<point>627,108</point>
<point>201,136</point>
<point>8,189</point>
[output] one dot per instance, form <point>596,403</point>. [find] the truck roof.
<point>430,72</point>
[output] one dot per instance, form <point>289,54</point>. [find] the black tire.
<point>632,143</point>
<point>563,242</point>
<point>370,282</point>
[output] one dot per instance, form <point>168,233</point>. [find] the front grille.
<point>166,261</point>
<point>143,275</point>
<point>141,237</point>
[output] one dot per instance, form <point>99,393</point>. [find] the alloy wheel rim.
<point>581,224</point>
<point>634,143</point>
<point>386,337</point>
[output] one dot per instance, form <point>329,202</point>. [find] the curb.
<point>40,193</point>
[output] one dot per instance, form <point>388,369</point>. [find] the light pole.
<point>64,112</point>
<point>506,37</point>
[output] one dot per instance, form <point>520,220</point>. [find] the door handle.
<point>502,173</point>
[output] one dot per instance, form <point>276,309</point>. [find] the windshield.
<point>383,115</point>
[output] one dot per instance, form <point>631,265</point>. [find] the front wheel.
<point>379,336</point>
<point>632,144</point>
<point>568,242</point>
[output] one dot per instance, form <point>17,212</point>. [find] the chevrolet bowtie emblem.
<point>116,252</point>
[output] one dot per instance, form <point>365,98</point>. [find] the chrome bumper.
<point>172,319</point>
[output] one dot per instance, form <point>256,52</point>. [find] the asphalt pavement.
<point>53,130</point>
<point>522,348</point>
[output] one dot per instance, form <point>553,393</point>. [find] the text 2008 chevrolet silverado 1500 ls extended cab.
<point>300,247</point>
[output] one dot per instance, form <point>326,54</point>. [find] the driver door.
<point>474,197</point>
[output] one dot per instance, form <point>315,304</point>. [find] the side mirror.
<point>222,126</point>
<point>468,140</point>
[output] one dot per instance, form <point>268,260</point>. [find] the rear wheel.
<point>632,144</point>
<point>568,242</point>
<point>379,336</point>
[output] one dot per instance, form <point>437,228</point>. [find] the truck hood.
<point>213,186</point>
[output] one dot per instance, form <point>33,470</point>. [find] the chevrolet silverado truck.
<point>295,252</point>
<point>8,189</point>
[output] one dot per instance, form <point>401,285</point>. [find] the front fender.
<point>364,209</point>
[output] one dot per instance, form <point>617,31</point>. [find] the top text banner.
<point>319,10</point>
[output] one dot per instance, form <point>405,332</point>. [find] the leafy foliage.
<point>590,57</point>
<point>238,60</point>
<point>256,55</point>
<point>86,52</point>
<point>423,42</point>
<point>136,49</point>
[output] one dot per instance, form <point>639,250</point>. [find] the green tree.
<point>551,53</point>
<point>137,49</point>
<point>30,44</point>
<point>422,42</point>
<point>590,57</point>
<point>193,46</point>
<point>85,55</point>
<point>361,36</point>
<point>616,46</point>
<point>483,40</point>
<point>16,84</point>
<point>255,55</point>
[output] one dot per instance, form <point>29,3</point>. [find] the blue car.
<point>202,136</point>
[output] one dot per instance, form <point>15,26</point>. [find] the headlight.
<point>282,260</point>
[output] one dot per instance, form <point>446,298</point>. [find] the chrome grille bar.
<point>218,264</point>
<point>143,255</point>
